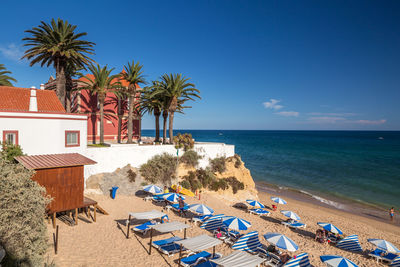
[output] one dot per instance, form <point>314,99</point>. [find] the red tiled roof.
<point>54,161</point>
<point>17,99</point>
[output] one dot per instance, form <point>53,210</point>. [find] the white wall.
<point>44,133</point>
<point>119,155</point>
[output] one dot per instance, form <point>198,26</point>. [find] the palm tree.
<point>120,97</point>
<point>58,44</point>
<point>4,78</point>
<point>101,83</point>
<point>176,89</point>
<point>71,71</point>
<point>153,105</point>
<point>133,74</point>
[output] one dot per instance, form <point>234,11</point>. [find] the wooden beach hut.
<point>63,177</point>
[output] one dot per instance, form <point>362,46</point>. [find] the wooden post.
<point>184,234</point>
<point>213,251</point>
<point>70,214</point>
<point>56,241</point>
<point>151,240</point>
<point>180,255</point>
<point>76,216</point>
<point>94,212</point>
<point>54,219</point>
<point>89,212</point>
<point>129,225</point>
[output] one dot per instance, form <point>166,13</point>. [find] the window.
<point>71,138</point>
<point>10,137</point>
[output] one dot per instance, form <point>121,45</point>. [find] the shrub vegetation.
<point>218,164</point>
<point>190,158</point>
<point>160,168</point>
<point>22,211</point>
<point>238,162</point>
<point>10,151</point>
<point>184,141</point>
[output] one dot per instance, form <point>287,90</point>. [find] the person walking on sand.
<point>391,213</point>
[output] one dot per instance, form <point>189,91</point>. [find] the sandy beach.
<point>104,243</point>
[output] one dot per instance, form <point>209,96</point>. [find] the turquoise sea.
<point>356,166</point>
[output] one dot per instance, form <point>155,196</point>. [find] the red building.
<point>84,102</point>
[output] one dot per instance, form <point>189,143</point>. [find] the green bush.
<point>238,162</point>
<point>190,158</point>
<point>218,164</point>
<point>205,176</point>
<point>132,176</point>
<point>219,184</point>
<point>184,141</point>
<point>23,232</point>
<point>185,184</point>
<point>160,168</point>
<point>10,151</point>
<point>235,184</point>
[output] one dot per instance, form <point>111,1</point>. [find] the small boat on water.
<point>380,138</point>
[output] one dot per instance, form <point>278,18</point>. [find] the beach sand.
<point>104,242</point>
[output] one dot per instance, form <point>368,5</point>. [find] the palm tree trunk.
<point>130,118</point>
<point>119,120</point>
<point>171,126</point>
<point>165,117</point>
<point>101,120</point>
<point>157,128</point>
<point>60,82</point>
<point>68,102</point>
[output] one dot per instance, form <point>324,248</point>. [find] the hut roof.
<point>54,161</point>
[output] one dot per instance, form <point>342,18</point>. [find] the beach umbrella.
<point>236,223</point>
<point>152,189</point>
<point>384,245</point>
<point>330,227</point>
<point>255,203</point>
<point>201,209</point>
<point>278,200</point>
<point>172,197</point>
<point>337,261</point>
<point>281,241</point>
<point>290,214</point>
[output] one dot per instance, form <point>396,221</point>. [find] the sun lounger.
<point>273,260</point>
<point>195,259</point>
<point>167,241</point>
<point>206,264</point>
<point>170,249</point>
<point>176,208</point>
<point>259,212</point>
<point>389,257</point>
<point>143,228</point>
<point>294,225</point>
<point>380,255</point>
<point>395,262</point>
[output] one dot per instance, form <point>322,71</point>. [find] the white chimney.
<point>41,86</point>
<point>33,100</point>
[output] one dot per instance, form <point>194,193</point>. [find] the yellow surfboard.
<point>183,191</point>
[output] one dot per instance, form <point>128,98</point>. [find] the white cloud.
<point>371,122</point>
<point>273,104</point>
<point>288,113</point>
<point>12,51</point>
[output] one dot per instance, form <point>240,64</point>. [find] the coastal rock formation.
<point>103,182</point>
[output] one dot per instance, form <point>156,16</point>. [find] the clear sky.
<point>259,64</point>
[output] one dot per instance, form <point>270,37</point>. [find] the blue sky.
<point>298,65</point>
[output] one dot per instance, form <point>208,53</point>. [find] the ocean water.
<point>359,166</point>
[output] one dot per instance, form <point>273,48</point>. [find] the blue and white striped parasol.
<point>330,227</point>
<point>278,200</point>
<point>337,261</point>
<point>255,203</point>
<point>290,214</point>
<point>281,241</point>
<point>172,197</point>
<point>201,209</point>
<point>384,245</point>
<point>152,189</point>
<point>236,223</point>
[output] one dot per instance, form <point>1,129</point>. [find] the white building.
<point>36,120</point>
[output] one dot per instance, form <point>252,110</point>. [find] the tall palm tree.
<point>177,90</point>
<point>153,105</point>
<point>4,78</point>
<point>58,44</point>
<point>101,83</point>
<point>133,74</point>
<point>120,97</point>
<point>71,71</point>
